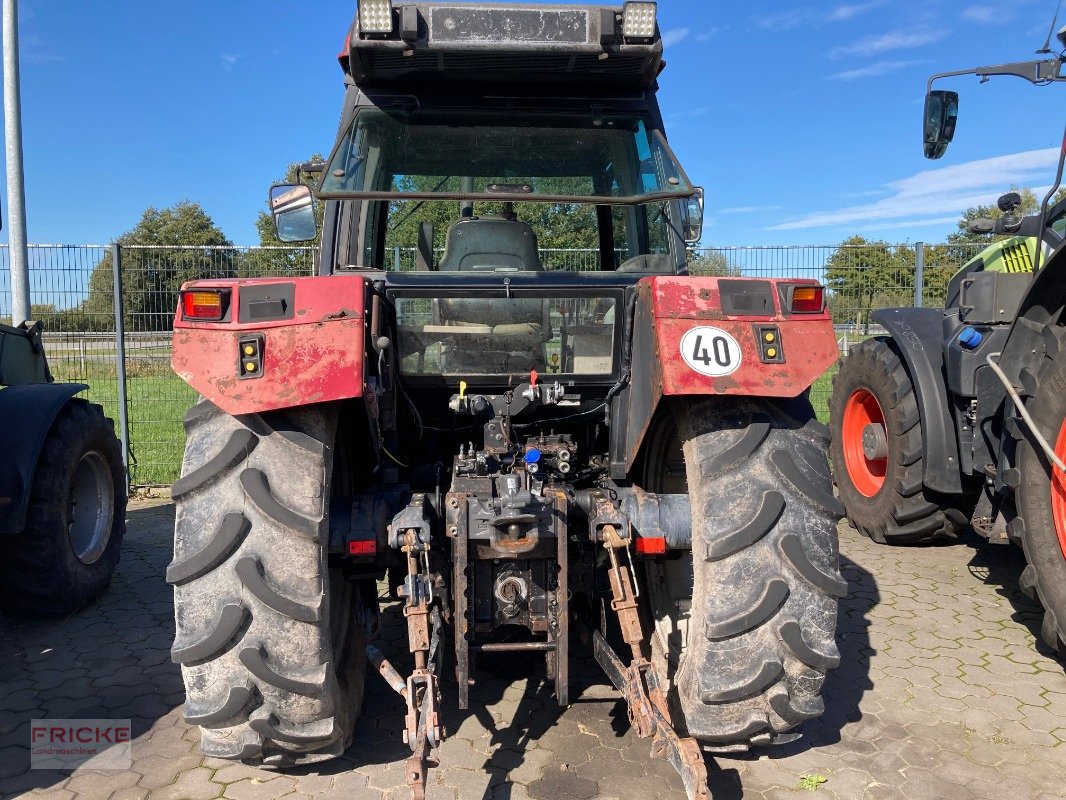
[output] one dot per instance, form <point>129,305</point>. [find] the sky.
<point>802,120</point>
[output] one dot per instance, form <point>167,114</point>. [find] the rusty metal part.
<point>456,520</point>
<point>416,610</point>
<point>559,611</point>
<point>624,591</point>
<point>387,671</point>
<point>422,728</point>
<point>650,716</point>
<point>639,682</point>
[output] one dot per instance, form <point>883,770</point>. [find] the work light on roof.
<point>375,16</point>
<point>638,20</point>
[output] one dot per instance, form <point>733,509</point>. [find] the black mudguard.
<point>919,335</point>
<point>28,412</point>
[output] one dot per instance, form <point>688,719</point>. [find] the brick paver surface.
<point>943,693</point>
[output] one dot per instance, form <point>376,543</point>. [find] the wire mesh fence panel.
<point>73,295</point>
<point>158,399</point>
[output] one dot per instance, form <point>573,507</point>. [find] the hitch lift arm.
<point>639,682</point>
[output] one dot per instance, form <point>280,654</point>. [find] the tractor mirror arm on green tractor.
<point>942,107</point>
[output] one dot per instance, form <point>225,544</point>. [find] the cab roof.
<point>503,43</point>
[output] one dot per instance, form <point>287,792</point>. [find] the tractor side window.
<point>1059,224</point>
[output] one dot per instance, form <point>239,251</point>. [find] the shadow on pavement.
<point>108,661</point>
<point>1000,566</point>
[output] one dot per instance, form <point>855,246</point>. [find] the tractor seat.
<point>490,244</point>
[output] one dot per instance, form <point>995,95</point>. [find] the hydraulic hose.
<point>1049,451</point>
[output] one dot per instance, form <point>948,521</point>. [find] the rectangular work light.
<point>375,16</point>
<point>638,20</point>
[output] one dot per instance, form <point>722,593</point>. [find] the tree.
<point>862,274</point>
<point>166,248</point>
<point>712,262</point>
<point>965,245</point>
<point>292,257</point>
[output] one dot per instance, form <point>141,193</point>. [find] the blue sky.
<point>802,120</point>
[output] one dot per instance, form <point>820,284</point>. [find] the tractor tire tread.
<point>772,506</point>
<point>261,676</point>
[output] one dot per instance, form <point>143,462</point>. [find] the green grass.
<point>157,401</point>
<point>820,392</point>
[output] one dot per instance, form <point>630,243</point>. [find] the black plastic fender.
<point>918,333</point>
<point>27,413</point>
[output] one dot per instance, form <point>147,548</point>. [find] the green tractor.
<point>959,415</point>
<point>62,485</point>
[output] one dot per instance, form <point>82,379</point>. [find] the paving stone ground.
<point>943,693</point>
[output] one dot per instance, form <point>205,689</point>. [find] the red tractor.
<point>516,446</point>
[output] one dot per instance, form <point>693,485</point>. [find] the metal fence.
<point>73,290</point>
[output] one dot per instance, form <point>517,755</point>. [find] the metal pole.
<point>16,192</point>
<point>919,274</point>
<point>120,359</point>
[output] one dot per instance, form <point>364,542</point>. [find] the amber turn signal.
<point>203,304</point>
<point>808,300</point>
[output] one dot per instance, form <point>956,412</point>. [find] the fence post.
<point>919,274</point>
<point>120,359</point>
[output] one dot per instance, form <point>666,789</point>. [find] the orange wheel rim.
<point>1058,491</point>
<point>867,474</point>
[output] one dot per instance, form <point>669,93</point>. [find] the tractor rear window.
<point>464,337</point>
<point>517,157</point>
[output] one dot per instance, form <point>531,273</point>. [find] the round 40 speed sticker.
<point>710,351</point>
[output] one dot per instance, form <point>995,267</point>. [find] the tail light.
<point>807,300</point>
<point>206,305</point>
<point>366,547</point>
<point>650,546</point>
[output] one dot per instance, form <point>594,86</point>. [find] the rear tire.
<point>76,518</point>
<point>746,665</point>
<point>885,498</point>
<point>268,635</point>
<point>1041,505</point>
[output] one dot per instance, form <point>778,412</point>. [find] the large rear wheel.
<point>877,449</point>
<point>1041,504</point>
<point>268,635</point>
<point>745,623</point>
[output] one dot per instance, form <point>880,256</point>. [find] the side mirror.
<point>692,217</point>
<point>941,114</point>
<point>293,209</point>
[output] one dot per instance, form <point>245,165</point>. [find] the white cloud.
<point>874,70</point>
<point>917,223</point>
<point>887,42</point>
<point>229,61</point>
<point>710,33</point>
<point>947,190</point>
<point>675,36</point>
<point>985,15</point>
<point>783,20</point>
<point>848,12</point>
<point>749,209</point>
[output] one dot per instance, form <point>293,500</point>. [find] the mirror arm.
<point>310,168</point>
<point>1046,204</point>
<point>1036,72</point>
